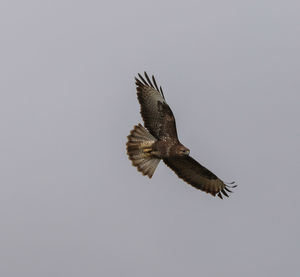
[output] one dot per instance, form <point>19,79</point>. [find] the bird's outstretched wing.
<point>198,176</point>
<point>156,113</point>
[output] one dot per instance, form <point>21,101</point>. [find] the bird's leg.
<point>147,149</point>
<point>155,154</point>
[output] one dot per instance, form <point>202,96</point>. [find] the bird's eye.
<point>185,151</point>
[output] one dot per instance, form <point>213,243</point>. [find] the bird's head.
<point>182,150</point>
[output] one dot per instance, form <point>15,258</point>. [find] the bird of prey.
<point>158,140</point>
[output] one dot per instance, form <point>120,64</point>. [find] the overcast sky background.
<point>71,204</point>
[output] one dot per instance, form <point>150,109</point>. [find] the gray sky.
<point>71,204</point>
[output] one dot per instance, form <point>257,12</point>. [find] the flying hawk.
<point>158,140</point>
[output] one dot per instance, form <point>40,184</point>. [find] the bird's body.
<point>167,148</point>
<point>158,140</point>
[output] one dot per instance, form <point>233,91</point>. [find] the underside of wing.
<point>198,176</point>
<point>156,113</point>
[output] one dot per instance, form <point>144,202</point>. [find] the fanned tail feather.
<point>139,147</point>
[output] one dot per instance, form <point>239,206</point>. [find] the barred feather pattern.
<point>139,147</point>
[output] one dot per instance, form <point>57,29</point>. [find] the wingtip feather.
<point>141,81</point>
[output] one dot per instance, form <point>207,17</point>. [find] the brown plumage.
<point>158,140</point>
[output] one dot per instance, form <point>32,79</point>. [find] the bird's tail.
<point>139,147</point>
